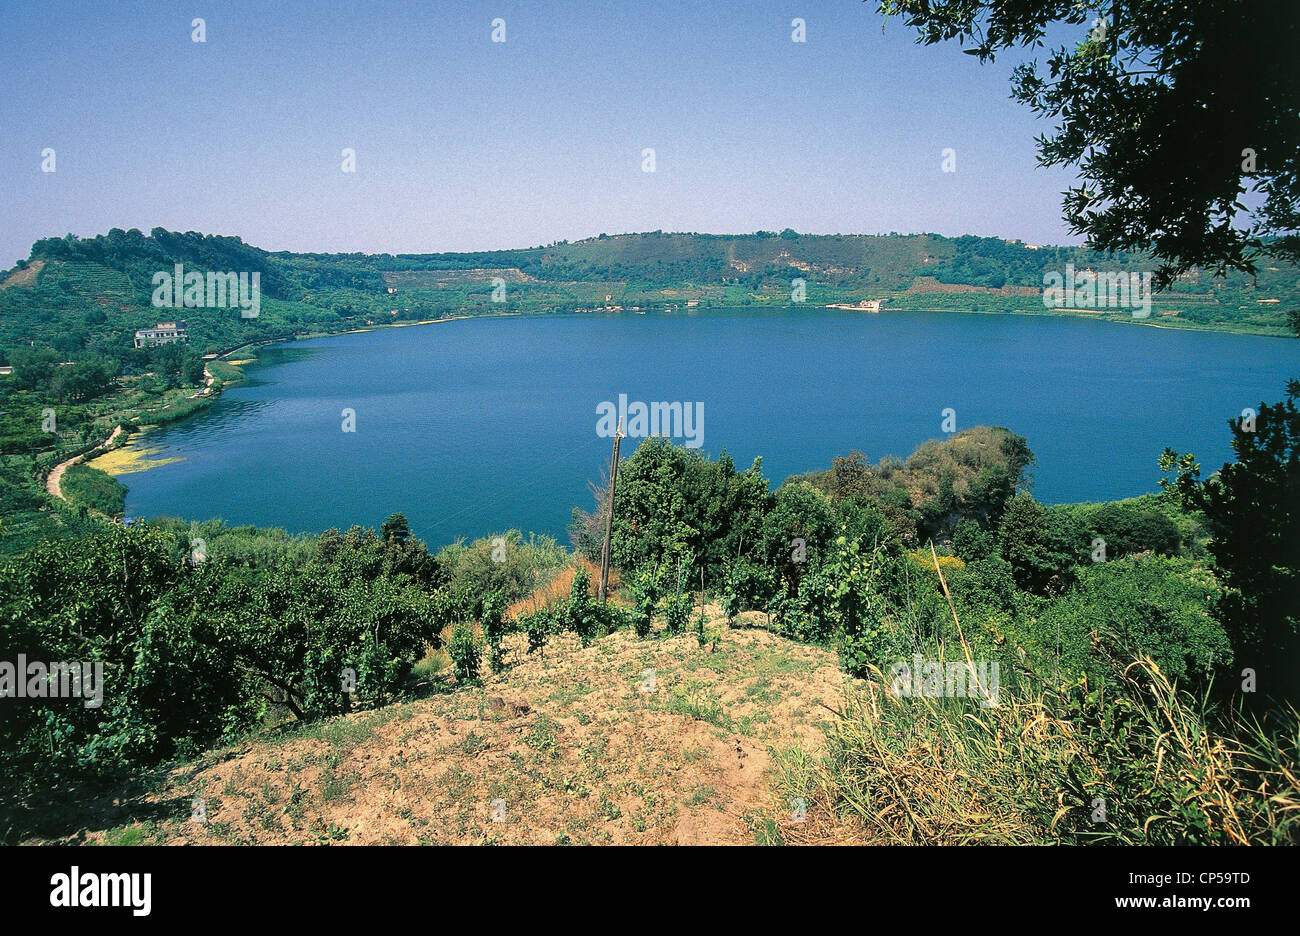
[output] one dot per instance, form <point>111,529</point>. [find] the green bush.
<point>198,651</point>
<point>748,587</point>
<point>506,564</point>
<point>1141,606</point>
<point>539,625</point>
<point>91,488</point>
<point>646,590</point>
<point>971,542</point>
<point>465,653</point>
<point>580,614</point>
<point>495,627</point>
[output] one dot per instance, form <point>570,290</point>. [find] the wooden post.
<point>609,516</point>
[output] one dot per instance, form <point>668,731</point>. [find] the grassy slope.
<point>572,745</point>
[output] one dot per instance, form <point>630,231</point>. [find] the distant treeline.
<point>88,295</point>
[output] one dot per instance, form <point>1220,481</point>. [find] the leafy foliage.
<point>85,486</point>
<point>1253,509</point>
<point>1167,130</point>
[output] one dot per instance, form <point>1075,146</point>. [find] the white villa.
<point>160,334</point>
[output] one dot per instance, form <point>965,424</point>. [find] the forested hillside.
<point>81,296</point>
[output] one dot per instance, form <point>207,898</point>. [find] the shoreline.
<point>141,460</point>
<point>208,395</point>
<point>1100,316</point>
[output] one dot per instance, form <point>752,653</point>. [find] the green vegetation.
<point>1138,762</point>
<point>1122,635</point>
<point>1252,509</point>
<point>91,488</point>
<point>206,632</point>
<point>88,296</point>
<point>194,651</point>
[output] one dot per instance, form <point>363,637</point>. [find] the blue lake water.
<point>477,426</point>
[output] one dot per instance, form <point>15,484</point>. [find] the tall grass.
<point>1136,762</point>
<point>224,371</point>
<point>173,411</point>
<point>1139,764</point>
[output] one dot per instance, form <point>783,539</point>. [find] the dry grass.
<point>573,747</point>
<point>557,589</point>
<point>927,771</point>
<point>1135,762</point>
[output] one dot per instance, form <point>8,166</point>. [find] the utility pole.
<point>609,516</point>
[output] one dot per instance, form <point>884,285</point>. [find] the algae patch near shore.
<point>130,458</point>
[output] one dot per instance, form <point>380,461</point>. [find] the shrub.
<point>580,614</point>
<point>1128,529</point>
<point>1039,560</point>
<point>970,541</point>
<point>89,487</point>
<point>677,612</point>
<point>645,598</point>
<point>504,563</point>
<point>465,653</point>
<point>495,627</point>
<point>539,625</point>
<point>747,587</point>
<point>1141,606</point>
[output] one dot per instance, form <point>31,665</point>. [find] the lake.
<point>476,426</point>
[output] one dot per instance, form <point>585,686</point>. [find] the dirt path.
<point>56,474</point>
<point>207,384</point>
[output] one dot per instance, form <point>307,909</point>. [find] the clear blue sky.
<point>466,144</point>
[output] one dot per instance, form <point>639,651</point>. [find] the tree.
<point>1029,544</point>
<point>396,529</point>
<point>971,542</point>
<point>799,512</point>
<point>1171,112</point>
<point>192,368</point>
<point>672,500</point>
<point>1253,507</point>
<point>1129,529</point>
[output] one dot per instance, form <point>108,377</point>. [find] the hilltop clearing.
<point>625,741</point>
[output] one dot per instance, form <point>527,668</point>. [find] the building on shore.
<point>161,334</point>
<point>864,305</point>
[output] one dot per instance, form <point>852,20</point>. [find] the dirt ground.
<point>627,741</point>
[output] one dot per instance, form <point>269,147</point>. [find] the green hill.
<point>89,295</point>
